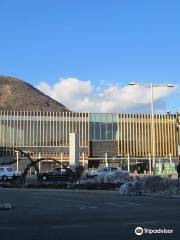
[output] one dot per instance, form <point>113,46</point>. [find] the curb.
<point>154,195</point>
<point>59,190</point>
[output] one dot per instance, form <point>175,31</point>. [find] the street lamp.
<point>151,85</point>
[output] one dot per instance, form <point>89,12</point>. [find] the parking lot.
<point>76,214</point>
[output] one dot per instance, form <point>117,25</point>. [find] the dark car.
<point>59,173</point>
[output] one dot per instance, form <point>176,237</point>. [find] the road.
<point>74,214</point>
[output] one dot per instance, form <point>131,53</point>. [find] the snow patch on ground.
<point>151,184</point>
<point>116,177</point>
<point>5,206</point>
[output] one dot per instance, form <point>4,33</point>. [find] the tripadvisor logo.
<point>139,231</point>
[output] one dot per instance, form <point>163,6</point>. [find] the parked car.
<point>7,173</point>
<point>59,173</point>
<point>105,170</point>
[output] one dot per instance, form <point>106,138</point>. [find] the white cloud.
<point>80,95</point>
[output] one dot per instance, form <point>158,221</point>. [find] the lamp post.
<point>151,85</point>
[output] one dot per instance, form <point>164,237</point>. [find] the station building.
<point>47,134</point>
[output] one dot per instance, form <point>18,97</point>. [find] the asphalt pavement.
<point>76,214</point>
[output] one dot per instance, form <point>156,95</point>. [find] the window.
<point>103,131</point>
<point>115,132</point>
<point>55,171</point>
<point>103,126</point>
<point>97,131</point>
<point>9,169</point>
<point>91,125</point>
<point>109,131</point>
<point>114,169</point>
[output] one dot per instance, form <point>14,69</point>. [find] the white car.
<point>106,170</point>
<point>7,173</point>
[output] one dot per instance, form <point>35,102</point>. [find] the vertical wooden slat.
<point>121,129</point>
<point>166,136</point>
<point>133,136</point>
<point>124,135</point>
<point>159,134</point>
<point>130,134</point>
<point>137,135</point>
<point>162,135</point>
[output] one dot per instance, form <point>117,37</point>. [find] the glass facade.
<point>103,126</point>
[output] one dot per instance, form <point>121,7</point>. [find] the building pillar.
<point>61,159</point>
<point>83,159</point>
<point>128,160</point>
<point>106,160</point>
<point>17,160</point>
<point>149,163</point>
<point>73,149</point>
<point>39,157</point>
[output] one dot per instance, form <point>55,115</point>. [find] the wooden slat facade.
<point>135,137</point>
<point>131,132</point>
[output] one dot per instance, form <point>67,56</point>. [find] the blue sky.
<point>105,42</point>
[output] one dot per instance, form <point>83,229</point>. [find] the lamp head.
<point>132,83</point>
<point>171,85</point>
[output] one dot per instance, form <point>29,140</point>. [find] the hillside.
<point>18,95</point>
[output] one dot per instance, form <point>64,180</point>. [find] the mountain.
<point>18,95</point>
